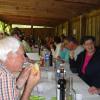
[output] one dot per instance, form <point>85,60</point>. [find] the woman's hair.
<point>8,44</point>
<point>57,39</point>
<point>72,39</point>
<point>85,38</point>
<point>16,31</point>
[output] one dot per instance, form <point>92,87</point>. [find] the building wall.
<point>86,24</point>
<point>41,32</point>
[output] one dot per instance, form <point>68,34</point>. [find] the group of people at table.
<point>83,60</point>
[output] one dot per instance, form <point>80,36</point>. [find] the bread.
<point>35,68</point>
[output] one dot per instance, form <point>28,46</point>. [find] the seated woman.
<point>64,53</point>
<point>16,32</point>
<point>56,52</point>
<point>88,63</point>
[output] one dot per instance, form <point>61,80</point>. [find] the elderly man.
<point>11,61</point>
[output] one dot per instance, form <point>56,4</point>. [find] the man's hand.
<point>23,77</point>
<point>72,54</point>
<point>33,79</point>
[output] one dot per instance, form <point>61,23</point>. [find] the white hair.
<point>8,44</point>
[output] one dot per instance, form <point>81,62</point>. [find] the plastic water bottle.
<point>47,59</point>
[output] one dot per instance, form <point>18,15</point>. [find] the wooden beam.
<point>86,2</point>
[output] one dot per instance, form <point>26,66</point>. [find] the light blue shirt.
<point>64,54</point>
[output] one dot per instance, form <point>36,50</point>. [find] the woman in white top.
<point>57,41</point>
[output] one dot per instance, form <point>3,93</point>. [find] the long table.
<point>47,86</point>
<point>82,88</point>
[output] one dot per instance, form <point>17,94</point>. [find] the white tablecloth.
<point>47,86</point>
<point>33,56</point>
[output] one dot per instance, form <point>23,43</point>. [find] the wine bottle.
<point>61,87</point>
<point>39,50</point>
<point>50,59</point>
<point>39,45</point>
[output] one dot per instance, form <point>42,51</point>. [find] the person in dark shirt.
<point>88,63</point>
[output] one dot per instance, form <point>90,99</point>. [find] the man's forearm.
<point>26,93</point>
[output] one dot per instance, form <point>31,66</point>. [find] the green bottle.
<point>70,93</point>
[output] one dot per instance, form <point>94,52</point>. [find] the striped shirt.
<point>8,90</point>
